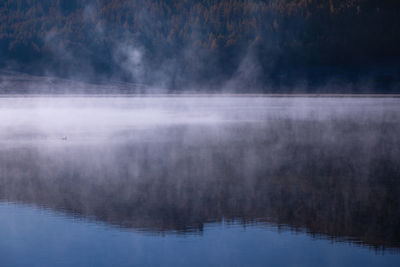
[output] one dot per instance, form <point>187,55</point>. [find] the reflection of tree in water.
<point>338,178</point>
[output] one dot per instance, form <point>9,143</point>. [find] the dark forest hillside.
<point>241,45</point>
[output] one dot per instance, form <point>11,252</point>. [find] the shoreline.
<point>210,95</point>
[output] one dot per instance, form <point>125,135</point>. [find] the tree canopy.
<point>177,43</point>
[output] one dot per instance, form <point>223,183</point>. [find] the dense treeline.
<point>258,43</point>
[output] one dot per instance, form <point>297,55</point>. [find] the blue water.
<point>186,181</point>
<point>35,237</point>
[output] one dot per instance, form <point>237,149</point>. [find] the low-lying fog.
<point>113,118</point>
<point>329,166</point>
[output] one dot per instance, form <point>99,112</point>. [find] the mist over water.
<point>199,133</point>
<point>328,168</point>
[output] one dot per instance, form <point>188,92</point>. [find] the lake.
<point>199,181</point>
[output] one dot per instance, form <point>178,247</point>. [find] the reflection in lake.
<point>328,167</point>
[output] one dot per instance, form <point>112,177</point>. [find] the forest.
<point>241,45</point>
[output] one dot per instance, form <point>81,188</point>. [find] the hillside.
<point>240,45</point>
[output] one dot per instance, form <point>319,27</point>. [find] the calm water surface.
<point>196,181</point>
